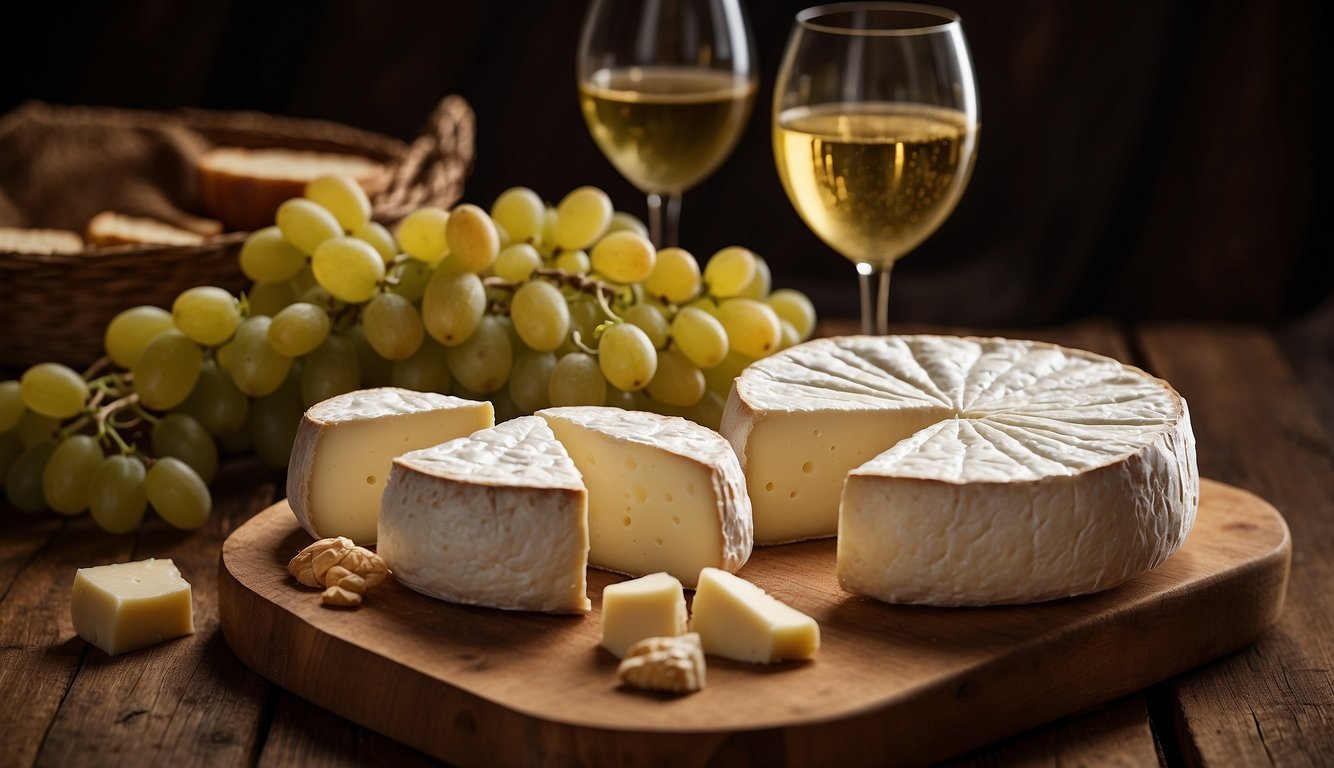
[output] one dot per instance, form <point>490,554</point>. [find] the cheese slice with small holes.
<point>127,606</point>
<point>964,471</point>
<point>345,445</point>
<point>664,493</point>
<point>498,518</point>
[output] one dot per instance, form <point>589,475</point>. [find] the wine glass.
<point>666,87</point>
<point>875,130</point>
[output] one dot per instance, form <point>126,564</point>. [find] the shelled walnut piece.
<point>672,664</point>
<point>344,570</point>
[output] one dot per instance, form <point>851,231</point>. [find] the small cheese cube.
<point>650,606</point>
<point>127,606</point>
<point>737,620</point>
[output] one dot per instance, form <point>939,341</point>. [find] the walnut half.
<point>672,664</point>
<point>337,565</point>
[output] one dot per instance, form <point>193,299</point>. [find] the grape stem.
<point>101,364</point>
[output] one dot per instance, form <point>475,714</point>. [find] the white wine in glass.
<point>666,89</point>
<point>875,132</point>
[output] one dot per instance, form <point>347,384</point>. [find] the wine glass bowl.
<point>875,131</point>
<point>666,89</point>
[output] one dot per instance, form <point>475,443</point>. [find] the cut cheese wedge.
<point>737,620</point>
<point>664,493</point>
<point>962,471</point>
<point>344,447</point>
<point>498,518</point>
<point>649,606</point>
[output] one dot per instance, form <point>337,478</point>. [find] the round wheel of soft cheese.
<point>965,471</point>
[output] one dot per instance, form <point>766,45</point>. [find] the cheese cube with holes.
<point>737,620</point>
<point>128,606</point>
<point>664,493</point>
<point>649,606</point>
<point>966,471</point>
<point>498,518</point>
<point>345,445</point>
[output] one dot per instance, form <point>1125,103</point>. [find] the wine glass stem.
<point>663,219</point>
<point>875,313</point>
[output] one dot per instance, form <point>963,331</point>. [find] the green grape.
<point>761,283</point>
<point>719,378</point>
<point>376,371</point>
<point>521,212</point>
<point>11,405</point>
<point>306,224</point>
<point>627,357</point>
<point>517,262</point>
<point>267,257</point>
<point>581,218</point>
<point>239,440</point>
<point>699,336</point>
<point>577,380</point>
<point>675,276</point>
<point>574,262</point>
<point>178,494</point>
<point>23,484</point>
<point>547,242</point>
<point>167,371</point>
<point>54,390</point>
<point>482,362</point>
<point>330,370</point>
<point>118,498</point>
<point>379,239</point>
<point>626,222</point>
<point>788,337</point>
<point>650,320</point>
<point>269,298</point>
<point>303,281</point>
<point>11,447</point>
<point>274,421</point>
<point>130,331</point>
<point>317,296</point>
<point>794,307</point>
<point>342,197</point>
<point>348,268</point>
<point>298,329</point>
<point>472,239</point>
<point>35,428</point>
<point>68,474</point>
<point>503,238</point>
<point>619,398</point>
<point>624,257</point>
<point>392,326</point>
<point>206,315</point>
<point>452,306</point>
<point>256,367</point>
<point>752,327</point>
<point>707,411</point>
<point>706,304</point>
<point>541,316</point>
<point>729,271</point>
<point>585,316</point>
<point>410,279</point>
<point>427,370</point>
<point>677,381</point>
<point>180,436</point>
<point>504,407</point>
<point>530,379</point>
<point>421,235</point>
<point>215,402</point>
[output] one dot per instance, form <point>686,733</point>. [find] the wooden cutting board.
<point>890,685</point>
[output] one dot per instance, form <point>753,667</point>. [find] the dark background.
<point>1138,159</point>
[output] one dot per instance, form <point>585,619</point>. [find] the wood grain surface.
<point>895,684</point>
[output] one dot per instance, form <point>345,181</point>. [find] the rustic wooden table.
<point>1262,402</point>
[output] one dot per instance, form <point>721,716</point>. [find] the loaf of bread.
<point>15,240</point>
<point>244,187</point>
<point>111,228</point>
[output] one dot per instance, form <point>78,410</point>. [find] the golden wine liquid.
<point>667,128</point>
<point>874,180</point>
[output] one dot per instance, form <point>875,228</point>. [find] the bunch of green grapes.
<point>528,305</point>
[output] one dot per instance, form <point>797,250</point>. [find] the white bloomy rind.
<point>962,471</point>
<point>498,518</point>
<point>344,447</point>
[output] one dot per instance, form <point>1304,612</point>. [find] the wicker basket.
<point>56,306</point>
